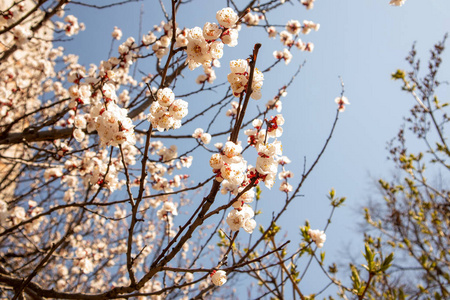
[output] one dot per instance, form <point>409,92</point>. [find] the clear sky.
<point>363,41</point>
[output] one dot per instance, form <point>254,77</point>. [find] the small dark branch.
<point>103,6</point>
<point>239,119</point>
<point>172,44</point>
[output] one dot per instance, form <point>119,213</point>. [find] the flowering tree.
<point>97,200</point>
<point>414,218</point>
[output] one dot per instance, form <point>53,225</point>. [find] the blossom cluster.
<point>289,36</point>
<point>113,125</point>
<point>239,76</point>
<point>17,214</point>
<point>229,165</point>
<point>203,44</point>
<point>269,154</point>
<point>231,169</point>
<point>285,175</point>
<point>241,217</point>
<point>166,112</point>
<point>72,26</point>
<point>95,169</point>
<point>203,136</point>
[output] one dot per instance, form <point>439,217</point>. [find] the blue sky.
<point>361,41</point>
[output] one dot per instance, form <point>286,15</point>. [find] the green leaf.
<point>400,74</point>
<point>387,262</point>
<point>322,257</point>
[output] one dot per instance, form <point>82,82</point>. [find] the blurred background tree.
<point>413,218</point>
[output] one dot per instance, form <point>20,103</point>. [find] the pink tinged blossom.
<point>216,161</point>
<point>231,149</point>
<point>21,34</point>
<point>84,93</point>
<point>269,150</point>
<point>293,27</point>
<point>278,54</point>
<point>189,277</point>
<point>235,220</point>
<point>230,37</point>
<point>113,125</point>
<point>300,45</point>
<point>216,49</point>
<point>285,174</point>
<point>165,41</point>
<point>79,122</point>
<point>195,33</point>
<point>256,95</point>
<point>227,17</point>
<point>257,123</point>
<point>198,53</point>
<point>286,38</point>
<point>266,165</point>
<point>341,102</point>
<point>269,181</point>
<point>219,277</point>
<point>211,31</point>
<point>117,33</point>
<point>248,196</point>
<point>309,47</point>
<point>258,78</point>
<point>181,40</point>
<point>284,160</point>
<point>287,56</point>
<point>197,133</point>
<point>72,27</point>
<point>251,19</point>
<point>52,172</point>
<point>397,2</point>
<point>249,225</point>
<point>238,204</point>
<point>238,65</point>
<point>148,39</point>
<point>238,83</point>
<point>201,79</point>
<point>170,208</point>
<point>272,32</point>
<point>285,187</point>
<point>308,26</point>
<point>238,218</point>
<point>79,135</point>
<point>233,173</point>
<point>178,109</point>
<point>247,211</point>
<point>18,214</point>
<point>165,96</point>
<point>318,237</point>
<point>206,138</point>
<point>309,4</point>
<point>86,265</point>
